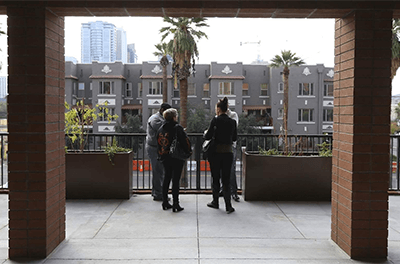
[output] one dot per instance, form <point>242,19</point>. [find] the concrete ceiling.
<point>216,8</point>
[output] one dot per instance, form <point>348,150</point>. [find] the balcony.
<point>139,231</point>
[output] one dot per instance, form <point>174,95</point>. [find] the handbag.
<point>208,146</point>
<point>176,151</point>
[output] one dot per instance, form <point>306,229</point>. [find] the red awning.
<point>256,107</point>
<point>131,107</point>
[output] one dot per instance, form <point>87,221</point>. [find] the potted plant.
<point>272,176</point>
<point>103,174</point>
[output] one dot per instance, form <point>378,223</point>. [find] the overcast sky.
<point>310,39</point>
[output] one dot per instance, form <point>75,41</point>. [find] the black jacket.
<point>166,134</point>
<point>225,133</point>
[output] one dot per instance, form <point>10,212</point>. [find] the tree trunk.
<point>395,66</point>
<point>165,84</point>
<point>183,98</point>
<point>183,121</point>
<point>286,106</point>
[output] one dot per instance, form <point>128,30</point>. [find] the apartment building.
<point>251,89</point>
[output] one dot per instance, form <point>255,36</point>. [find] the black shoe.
<point>166,206</point>
<point>230,210</point>
<point>221,194</point>
<point>213,205</point>
<point>160,199</point>
<point>235,197</point>
<point>177,208</point>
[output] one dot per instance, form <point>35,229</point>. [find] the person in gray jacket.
<point>153,124</point>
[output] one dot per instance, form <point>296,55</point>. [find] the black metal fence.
<point>197,175</point>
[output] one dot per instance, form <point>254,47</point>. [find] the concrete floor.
<point>139,231</point>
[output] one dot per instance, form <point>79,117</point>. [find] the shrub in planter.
<point>287,178</point>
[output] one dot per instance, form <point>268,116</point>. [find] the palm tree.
<point>162,50</point>
<point>395,47</point>
<point>286,60</point>
<point>184,48</point>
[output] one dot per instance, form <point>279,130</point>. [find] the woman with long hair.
<point>223,129</point>
<point>172,166</point>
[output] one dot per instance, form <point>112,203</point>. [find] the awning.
<point>106,77</point>
<point>227,77</point>
<point>131,107</point>
<point>256,107</point>
<point>154,77</point>
<point>71,77</point>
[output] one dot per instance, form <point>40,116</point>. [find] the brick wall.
<point>361,133</point>
<point>36,127</point>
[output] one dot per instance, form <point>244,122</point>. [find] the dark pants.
<point>221,165</point>
<point>172,170</point>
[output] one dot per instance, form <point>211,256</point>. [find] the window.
<point>191,89</point>
<point>91,86</point>
<point>106,112</point>
<point>81,86</point>
<point>306,89</point>
<point>306,115</point>
<point>74,89</point>
<point>226,88</point>
<point>206,90</point>
<point>128,91</point>
<point>280,87</point>
<point>328,89</point>
<point>280,113</point>
<point>327,115</point>
<point>245,89</point>
<point>140,89</point>
<point>155,87</point>
<point>106,87</point>
<point>264,89</point>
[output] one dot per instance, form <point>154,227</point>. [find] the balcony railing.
<point>197,173</point>
<point>197,176</point>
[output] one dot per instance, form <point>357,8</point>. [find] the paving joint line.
<point>290,220</point>
<point>198,229</point>
<point>108,218</point>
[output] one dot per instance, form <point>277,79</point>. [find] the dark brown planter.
<point>281,178</point>
<point>92,176</point>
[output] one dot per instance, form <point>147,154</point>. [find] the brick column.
<point>361,133</point>
<point>36,130</point>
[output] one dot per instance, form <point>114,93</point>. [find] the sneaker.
<point>235,197</point>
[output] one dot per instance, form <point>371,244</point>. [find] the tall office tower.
<point>3,87</point>
<point>132,57</point>
<point>121,45</point>
<point>99,42</point>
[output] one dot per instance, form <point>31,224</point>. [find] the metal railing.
<point>197,176</point>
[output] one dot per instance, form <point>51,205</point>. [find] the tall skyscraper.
<point>132,57</point>
<point>99,42</point>
<point>121,45</point>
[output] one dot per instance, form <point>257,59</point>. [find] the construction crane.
<point>258,48</point>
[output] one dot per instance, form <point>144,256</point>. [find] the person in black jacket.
<point>221,160</point>
<point>172,167</point>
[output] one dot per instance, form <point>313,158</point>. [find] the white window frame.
<point>128,90</point>
<point>140,89</point>
<point>111,111</point>
<point>227,87</point>
<point>301,115</point>
<point>263,89</point>
<point>326,89</point>
<point>325,115</point>
<point>157,90</point>
<point>280,87</point>
<point>104,90</point>
<point>303,89</point>
<point>280,113</point>
<point>191,89</point>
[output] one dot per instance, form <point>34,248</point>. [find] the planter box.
<point>280,178</point>
<point>92,176</point>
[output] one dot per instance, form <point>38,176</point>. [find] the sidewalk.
<point>139,231</point>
